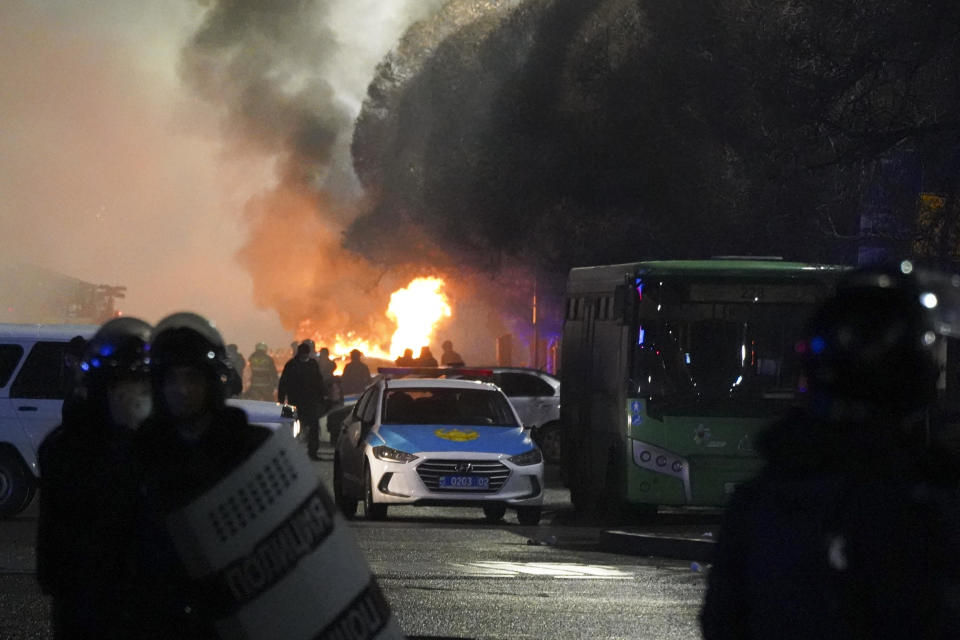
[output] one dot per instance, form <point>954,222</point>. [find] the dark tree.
<point>567,132</point>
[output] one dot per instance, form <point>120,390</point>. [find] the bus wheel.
<point>612,500</point>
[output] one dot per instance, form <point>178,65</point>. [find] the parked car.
<point>536,397</point>
<point>437,441</point>
<point>32,383</point>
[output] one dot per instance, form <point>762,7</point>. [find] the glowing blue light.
<point>642,334</point>
<point>106,350</point>
<point>95,362</point>
<point>639,284</point>
<point>817,344</point>
<point>85,366</point>
<point>687,357</point>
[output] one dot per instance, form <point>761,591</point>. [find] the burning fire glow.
<point>415,309</point>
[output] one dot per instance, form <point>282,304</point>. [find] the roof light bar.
<point>434,372</point>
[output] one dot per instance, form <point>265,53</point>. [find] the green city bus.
<point>670,368</point>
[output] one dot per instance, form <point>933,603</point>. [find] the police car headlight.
<point>530,457</point>
<point>392,455</point>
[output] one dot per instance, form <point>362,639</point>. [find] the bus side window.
<point>575,306</point>
<point>622,299</point>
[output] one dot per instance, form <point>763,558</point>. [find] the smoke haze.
<point>198,155</point>
<point>286,79</point>
<point>108,170</point>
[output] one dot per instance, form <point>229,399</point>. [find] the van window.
<point>10,355</point>
<point>42,375</point>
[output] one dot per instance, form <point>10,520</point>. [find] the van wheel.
<point>494,512</point>
<point>17,485</point>
<point>347,506</point>
<point>371,509</point>
<point>529,516</point>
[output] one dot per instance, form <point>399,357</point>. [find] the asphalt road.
<point>447,573</point>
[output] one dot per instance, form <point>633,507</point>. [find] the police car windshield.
<point>477,407</point>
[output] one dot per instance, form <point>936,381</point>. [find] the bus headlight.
<point>658,460</point>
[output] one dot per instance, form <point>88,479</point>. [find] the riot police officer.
<point>852,530</point>
<point>89,489</point>
<point>192,441</point>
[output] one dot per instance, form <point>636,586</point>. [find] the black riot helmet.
<point>188,339</point>
<point>119,350</point>
<point>872,347</point>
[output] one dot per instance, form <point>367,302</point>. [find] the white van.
<point>32,380</point>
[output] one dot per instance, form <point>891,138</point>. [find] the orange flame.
<point>344,344</point>
<point>415,309</point>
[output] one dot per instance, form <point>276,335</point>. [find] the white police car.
<point>437,442</point>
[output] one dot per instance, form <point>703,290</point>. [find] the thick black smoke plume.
<point>269,66</point>
<point>264,63</point>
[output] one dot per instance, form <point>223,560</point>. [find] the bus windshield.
<point>710,346</point>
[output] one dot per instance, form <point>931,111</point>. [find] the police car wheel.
<point>494,512</point>
<point>371,510</point>
<point>529,516</point>
<point>549,438</point>
<point>16,486</point>
<point>347,506</point>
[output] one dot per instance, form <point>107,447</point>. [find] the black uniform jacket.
<point>849,532</point>
<point>175,472</point>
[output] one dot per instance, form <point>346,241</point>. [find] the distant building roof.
<point>29,293</point>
